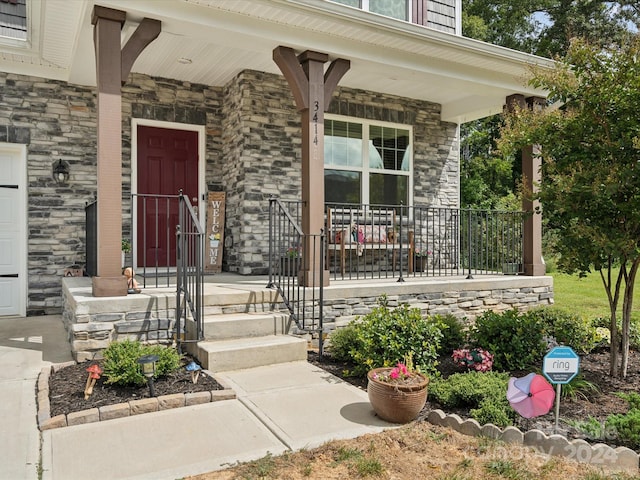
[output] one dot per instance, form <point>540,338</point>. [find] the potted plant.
<point>397,394</point>
<point>421,259</point>
<point>290,262</point>
<point>126,248</point>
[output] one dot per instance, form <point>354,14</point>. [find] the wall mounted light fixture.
<point>60,172</point>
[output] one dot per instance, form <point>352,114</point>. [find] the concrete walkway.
<point>279,407</point>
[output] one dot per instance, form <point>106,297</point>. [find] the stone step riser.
<point>249,326</point>
<point>239,354</point>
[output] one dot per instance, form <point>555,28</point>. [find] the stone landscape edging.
<point>619,458</point>
<point>119,410</point>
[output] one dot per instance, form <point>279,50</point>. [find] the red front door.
<point>167,163</point>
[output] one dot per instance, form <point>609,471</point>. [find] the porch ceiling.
<point>220,38</point>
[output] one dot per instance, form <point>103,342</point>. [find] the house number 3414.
<point>315,122</point>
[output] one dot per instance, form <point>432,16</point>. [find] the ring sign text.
<point>560,365</point>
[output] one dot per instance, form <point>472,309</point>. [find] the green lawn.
<point>587,296</point>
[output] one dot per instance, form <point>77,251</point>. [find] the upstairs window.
<point>367,162</point>
<point>13,19</point>
<point>390,8</point>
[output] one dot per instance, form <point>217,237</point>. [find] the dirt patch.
<point>66,388</point>
<point>418,450</point>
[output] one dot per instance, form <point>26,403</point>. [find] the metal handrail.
<point>189,274</point>
<point>288,265</point>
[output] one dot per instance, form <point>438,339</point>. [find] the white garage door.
<point>13,242</point>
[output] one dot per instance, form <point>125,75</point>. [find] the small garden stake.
<point>94,374</point>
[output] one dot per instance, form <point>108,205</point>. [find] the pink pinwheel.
<point>530,396</point>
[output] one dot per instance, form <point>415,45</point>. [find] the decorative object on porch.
<point>397,394</point>
<point>132,283</point>
<point>94,374</point>
<point>475,358</point>
<point>421,260</point>
<point>511,268</point>
<point>290,262</point>
<point>215,231</point>
<point>391,235</point>
<point>126,248</point>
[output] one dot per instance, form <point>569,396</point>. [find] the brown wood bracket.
<point>147,32</point>
<point>291,67</point>
<point>334,74</point>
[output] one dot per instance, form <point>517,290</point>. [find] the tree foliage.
<point>541,27</point>
<point>591,168</point>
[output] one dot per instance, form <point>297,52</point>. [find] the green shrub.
<point>634,331</point>
<point>386,336</point>
<point>483,392</point>
<point>453,334</point>
<point>342,341</point>
<point>626,426</point>
<point>516,341</point>
<point>567,328</point>
<point>121,365</point>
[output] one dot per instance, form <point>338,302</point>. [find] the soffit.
<point>223,37</point>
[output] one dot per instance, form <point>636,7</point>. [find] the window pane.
<point>351,3</point>
<point>388,148</point>
<point>388,189</point>
<point>390,8</point>
<point>341,186</point>
<point>342,144</point>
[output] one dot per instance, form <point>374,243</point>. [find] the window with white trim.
<point>367,162</point>
<point>389,8</point>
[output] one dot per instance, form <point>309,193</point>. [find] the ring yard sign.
<point>560,365</point>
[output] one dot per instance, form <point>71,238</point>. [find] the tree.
<point>542,27</point>
<point>590,187</point>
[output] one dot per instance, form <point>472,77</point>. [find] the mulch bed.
<point>66,388</point>
<point>593,367</point>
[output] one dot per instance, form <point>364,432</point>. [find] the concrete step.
<point>235,354</point>
<point>242,325</point>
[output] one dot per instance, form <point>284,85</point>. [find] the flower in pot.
<point>397,394</point>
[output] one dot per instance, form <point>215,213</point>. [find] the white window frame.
<point>364,168</point>
<point>364,5</point>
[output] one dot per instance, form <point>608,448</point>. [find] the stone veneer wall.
<point>58,120</point>
<point>461,298</point>
<point>262,152</point>
<point>253,149</point>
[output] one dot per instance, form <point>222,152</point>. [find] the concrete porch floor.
<point>343,299</point>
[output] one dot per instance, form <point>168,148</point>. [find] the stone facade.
<point>253,151</point>
<point>462,298</point>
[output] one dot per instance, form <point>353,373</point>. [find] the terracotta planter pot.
<point>396,403</point>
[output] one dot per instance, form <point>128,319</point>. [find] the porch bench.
<point>354,232</point>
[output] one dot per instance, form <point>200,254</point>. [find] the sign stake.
<point>558,390</point>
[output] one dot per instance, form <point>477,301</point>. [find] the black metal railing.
<point>397,241</point>
<point>153,238</point>
<point>91,239</point>
<point>296,266</point>
<point>189,274</point>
